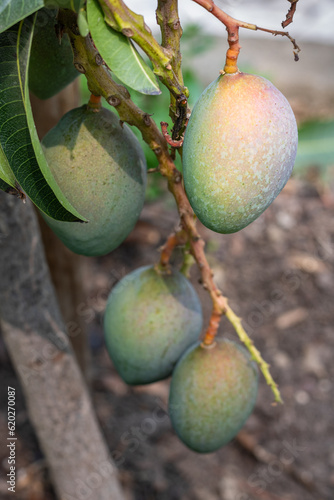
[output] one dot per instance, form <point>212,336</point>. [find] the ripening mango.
<point>239,150</point>
<point>151,318</point>
<point>101,168</point>
<point>213,391</point>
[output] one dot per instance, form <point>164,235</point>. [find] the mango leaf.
<point>6,173</point>
<point>83,23</point>
<point>7,178</point>
<point>12,11</point>
<point>119,53</point>
<point>315,145</point>
<point>18,136</point>
<point>64,4</point>
<point>4,186</point>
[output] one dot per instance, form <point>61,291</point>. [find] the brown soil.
<point>279,276</point>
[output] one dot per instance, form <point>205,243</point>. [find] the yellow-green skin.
<point>212,393</point>
<point>101,169</point>
<point>239,150</point>
<point>150,320</point>
<point>51,63</point>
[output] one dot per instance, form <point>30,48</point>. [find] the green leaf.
<point>315,145</point>
<point>119,53</point>
<point>6,173</point>
<point>18,136</point>
<point>4,186</point>
<point>83,23</point>
<point>64,4</point>
<point>12,11</point>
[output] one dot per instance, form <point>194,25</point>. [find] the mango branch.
<point>188,261</point>
<point>132,25</point>
<point>171,32</point>
<point>172,142</point>
<point>232,27</point>
<point>290,14</point>
<point>175,239</point>
<point>220,304</point>
<point>100,83</point>
<point>168,19</point>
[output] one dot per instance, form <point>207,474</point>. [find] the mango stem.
<point>231,64</point>
<point>94,102</point>
<point>178,238</point>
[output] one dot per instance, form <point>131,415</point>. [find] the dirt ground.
<point>279,276</point>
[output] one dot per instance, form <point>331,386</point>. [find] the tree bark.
<point>56,395</point>
<point>65,267</point>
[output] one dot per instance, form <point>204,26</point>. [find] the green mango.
<point>151,318</point>
<point>239,150</point>
<point>100,167</point>
<point>51,62</point>
<point>212,393</point>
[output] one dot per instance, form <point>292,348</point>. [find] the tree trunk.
<point>56,395</point>
<point>65,267</point>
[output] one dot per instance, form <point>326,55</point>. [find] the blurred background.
<point>278,274</point>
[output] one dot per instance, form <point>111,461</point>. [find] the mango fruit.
<point>151,318</point>
<point>101,168</point>
<point>239,150</point>
<point>51,62</point>
<point>212,393</point>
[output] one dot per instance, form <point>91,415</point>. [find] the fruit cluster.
<point>152,323</point>
<point>239,151</point>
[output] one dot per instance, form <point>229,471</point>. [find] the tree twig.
<point>171,142</point>
<point>178,238</point>
<point>249,443</point>
<point>290,14</point>
<point>232,26</point>
<point>171,31</point>
<point>284,33</point>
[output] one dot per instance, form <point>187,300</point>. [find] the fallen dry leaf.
<point>307,263</point>
<point>291,318</point>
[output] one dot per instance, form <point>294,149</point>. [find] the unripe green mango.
<point>212,393</point>
<point>101,168</point>
<point>150,320</point>
<point>239,150</point>
<point>51,63</point>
